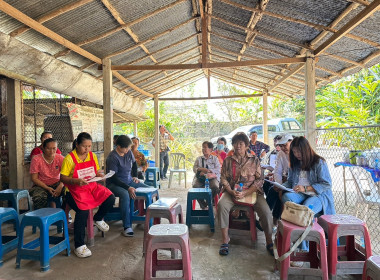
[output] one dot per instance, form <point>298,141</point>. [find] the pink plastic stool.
<point>371,269</point>
<point>90,225</point>
<point>167,236</point>
<point>317,255</point>
<point>345,225</point>
<point>241,225</point>
<point>167,208</point>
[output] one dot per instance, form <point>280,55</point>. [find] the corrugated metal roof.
<point>169,32</point>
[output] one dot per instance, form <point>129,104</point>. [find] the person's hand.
<point>58,190</point>
<point>81,182</point>
<point>51,191</point>
<point>100,173</point>
<point>299,189</point>
<point>132,192</point>
<point>263,154</point>
<point>240,195</point>
<point>202,170</point>
<point>136,180</point>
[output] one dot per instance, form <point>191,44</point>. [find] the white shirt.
<point>303,180</point>
<point>281,168</point>
<point>212,162</point>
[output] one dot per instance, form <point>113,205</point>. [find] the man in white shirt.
<point>207,166</point>
<point>280,174</point>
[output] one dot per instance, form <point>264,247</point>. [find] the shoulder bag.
<point>299,215</point>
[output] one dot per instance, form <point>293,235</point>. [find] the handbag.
<point>201,178</point>
<point>248,200</point>
<point>299,215</point>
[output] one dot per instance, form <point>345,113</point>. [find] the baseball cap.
<point>284,139</point>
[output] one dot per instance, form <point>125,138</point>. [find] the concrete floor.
<point>118,257</point>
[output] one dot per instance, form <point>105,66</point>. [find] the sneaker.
<point>102,225</point>
<point>128,232</point>
<point>82,252</point>
<point>296,264</point>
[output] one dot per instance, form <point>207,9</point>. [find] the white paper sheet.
<point>280,186</point>
<point>108,175</point>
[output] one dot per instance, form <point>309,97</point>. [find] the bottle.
<point>207,184</point>
<point>240,188</point>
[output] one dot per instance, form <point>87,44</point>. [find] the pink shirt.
<point>47,173</point>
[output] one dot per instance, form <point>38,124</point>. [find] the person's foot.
<point>102,225</point>
<point>270,249</point>
<point>128,232</point>
<point>82,252</point>
<point>224,249</point>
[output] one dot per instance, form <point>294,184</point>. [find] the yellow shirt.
<point>68,164</point>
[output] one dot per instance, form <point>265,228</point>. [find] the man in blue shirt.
<point>124,182</point>
<point>260,148</point>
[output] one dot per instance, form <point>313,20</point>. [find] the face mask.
<point>220,147</point>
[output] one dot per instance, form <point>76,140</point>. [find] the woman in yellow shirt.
<point>77,168</point>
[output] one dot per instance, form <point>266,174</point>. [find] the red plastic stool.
<point>216,201</point>
<point>167,236</point>
<point>371,269</point>
<point>317,255</point>
<point>241,224</point>
<point>345,225</point>
<point>167,208</point>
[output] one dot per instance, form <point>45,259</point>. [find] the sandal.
<point>270,249</point>
<point>224,249</point>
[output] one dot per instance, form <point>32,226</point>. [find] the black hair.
<point>123,141</point>
<point>240,136</point>
<point>253,131</point>
<point>134,137</point>
<point>45,132</point>
<point>80,138</point>
<point>209,144</point>
<point>278,137</point>
<point>47,141</point>
<point>308,156</point>
<point>222,139</point>
<point>115,137</point>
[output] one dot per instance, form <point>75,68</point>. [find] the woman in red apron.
<point>77,168</point>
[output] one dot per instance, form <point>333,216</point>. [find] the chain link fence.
<point>353,156</point>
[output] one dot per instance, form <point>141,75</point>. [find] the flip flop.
<point>270,249</point>
<point>224,249</point>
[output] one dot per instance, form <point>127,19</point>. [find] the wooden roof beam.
<point>244,63</point>
<point>204,46</point>
<point>359,18</point>
<point>51,15</point>
<point>136,88</point>
<point>176,85</point>
<point>183,84</point>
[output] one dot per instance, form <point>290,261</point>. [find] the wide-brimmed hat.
<point>284,139</point>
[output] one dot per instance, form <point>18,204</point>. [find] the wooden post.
<point>208,86</point>
<point>310,121</point>
<point>265,117</point>
<point>156,131</point>
<point>15,140</point>
<point>135,128</point>
<point>107,107</point>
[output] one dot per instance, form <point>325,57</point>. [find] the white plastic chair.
<point>178,163</point>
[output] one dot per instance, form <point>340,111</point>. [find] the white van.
<point>275,127</point>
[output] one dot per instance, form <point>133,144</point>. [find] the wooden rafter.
<point>213,97</point>
<point>300,21</point>
<point>120,77</point>
<point>255,18</point>
<point>359,18</point>
<point>176,85</point>
<point>133,35</point>
<point>274,83</point>
<point>183,84</point>
<point>13,12</point>
<point>51,15</point>
<point>114,30</point>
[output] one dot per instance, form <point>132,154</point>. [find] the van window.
<point>272,128</point>
<point>258,129</point>
<point>285,125</point>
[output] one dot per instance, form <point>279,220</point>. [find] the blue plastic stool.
<point>147,194</point>
<point>152,177</point>
<point>43,218</point>
<point>200,216</point>
<point>13,196</point>
<point>7,242</point>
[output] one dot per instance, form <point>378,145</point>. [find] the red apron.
<point>91,195</point>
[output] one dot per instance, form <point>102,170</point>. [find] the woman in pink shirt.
<point>45,171</point>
